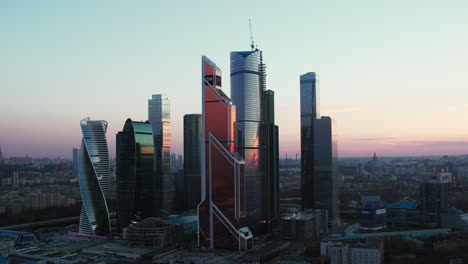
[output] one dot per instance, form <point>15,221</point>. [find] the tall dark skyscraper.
<point>192,159</point>
<point>247,91</point>
<point>318,153</point>
<point>93,175</point>
<point>159,117</point>
<point>272,159</point>
<point>137,185</point>
<point>222,212</point>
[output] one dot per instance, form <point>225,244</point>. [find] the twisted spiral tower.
<point>93,174</point>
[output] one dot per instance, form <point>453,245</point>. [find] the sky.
<point>392,74</point>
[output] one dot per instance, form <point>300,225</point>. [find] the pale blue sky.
<point>392,73</point>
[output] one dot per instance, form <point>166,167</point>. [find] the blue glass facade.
<point>247,93</point>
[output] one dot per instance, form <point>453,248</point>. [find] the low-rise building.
<point>370,252</point>
<point>117,252</point>
<point>372,217</point>
<point>304,225</point>
<point>455,219</point>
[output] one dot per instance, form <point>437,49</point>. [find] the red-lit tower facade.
<point>222,211</point>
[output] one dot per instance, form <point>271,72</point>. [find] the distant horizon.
<point>292,156</point>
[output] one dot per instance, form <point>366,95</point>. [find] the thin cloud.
<point>388,143</point>
<point>423,144</point>
<point>391,142</point>
<point>442,143</point>
<point>370,139</point>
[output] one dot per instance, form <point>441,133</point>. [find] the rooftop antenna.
<point>251,35</point>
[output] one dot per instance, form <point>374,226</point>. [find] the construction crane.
<point>251,35</point>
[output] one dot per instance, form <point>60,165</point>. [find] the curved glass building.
<point>93,174</point>
<point>247,77</point>
<point>137,185</point>
<point>222,211</point>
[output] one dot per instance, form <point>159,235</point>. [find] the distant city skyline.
<point>391,73</point>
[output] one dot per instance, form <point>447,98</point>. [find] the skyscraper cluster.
<point>230,164</point>
<point>144,181</point>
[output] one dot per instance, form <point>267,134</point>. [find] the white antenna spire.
<point>251,36</point>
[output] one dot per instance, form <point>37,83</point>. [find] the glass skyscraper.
<point>318,153</point>
<point>159,118</point>
<point>137,185</point>
<point>192,159</point>
<point>309,99</point>
<point>247,87</point>
<point>222,211</point>
<point>272,152</point>
<point>93,174</point>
